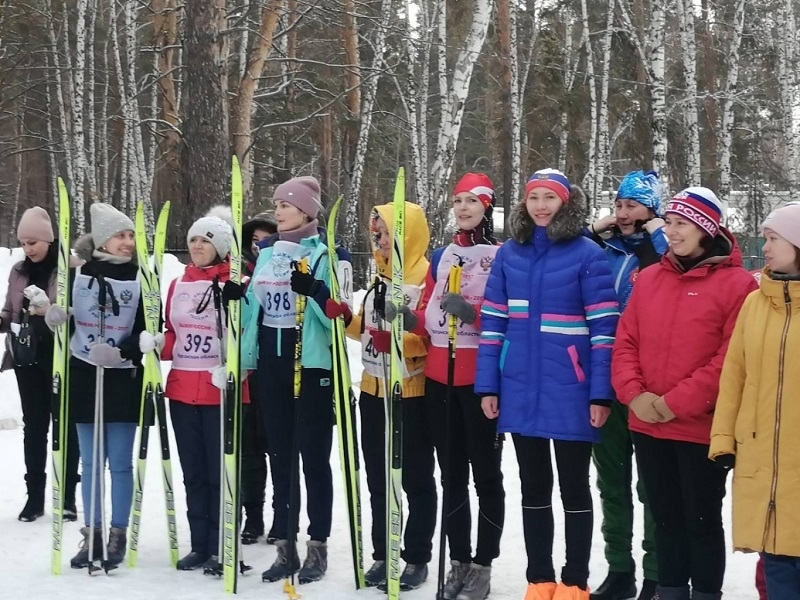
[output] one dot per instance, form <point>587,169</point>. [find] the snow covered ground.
<point>25,547</point>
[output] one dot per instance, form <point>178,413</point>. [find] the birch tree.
<point>656,54</point>
<point>686,29</point>
<point>512,150</point>
<point>590,178</point>
<point>729,98</point>
<point>787,78</point>
<point>603,141</point>
<point>570,70</point>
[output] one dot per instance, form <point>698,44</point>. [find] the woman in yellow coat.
<point>758,413</point>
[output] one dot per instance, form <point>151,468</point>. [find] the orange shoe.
<point>570,592</point>
<point>541,591</point>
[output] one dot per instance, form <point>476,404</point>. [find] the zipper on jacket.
<point>772,517</point>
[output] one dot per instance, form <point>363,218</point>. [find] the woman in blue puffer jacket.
<point>548,322</point>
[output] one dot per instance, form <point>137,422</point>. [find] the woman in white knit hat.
<point>31,289</point>
<point>757,414</point>
<point>109,251</point>
<point>196,379</point>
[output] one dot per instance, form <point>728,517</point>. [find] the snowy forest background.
<point>147,99</point>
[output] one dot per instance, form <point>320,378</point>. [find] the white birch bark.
<point>787,80</point>
<point>656,55</point>
<point>590,178</point>
<point>570,70</point>
<point>728,99</point>
<point>105,164</point>
<point>450,124</point>
<point>685,9</point>
<point>124,152</point>
<point>369,94</point>
<point>515,102</point>
<point>603,145</point>
<point>78,103</point>
<point>91,155</point>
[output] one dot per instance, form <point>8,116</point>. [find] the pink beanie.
<point>301,192</point>
<point>785,221</point>
<point>35,224</point>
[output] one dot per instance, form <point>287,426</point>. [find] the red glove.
<point>334,309</point>
<point>382,341</point>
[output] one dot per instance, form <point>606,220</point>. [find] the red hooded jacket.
<point>673,336</point>
<point>193,387</point>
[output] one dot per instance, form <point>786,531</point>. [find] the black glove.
<point>305,284</point>
<point>725,462</point>
<point>232,291</point>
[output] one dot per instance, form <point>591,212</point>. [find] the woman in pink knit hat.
<point>29,343</point>
<point>757,414</point>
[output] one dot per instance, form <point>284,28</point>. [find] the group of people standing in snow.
<point>641,331</point>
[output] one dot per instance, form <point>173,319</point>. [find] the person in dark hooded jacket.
<point>543,369</point>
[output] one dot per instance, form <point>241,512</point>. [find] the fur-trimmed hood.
<point>566,224</point>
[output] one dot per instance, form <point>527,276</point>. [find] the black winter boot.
<point>376,574</point>
<point>34,507</point>
<point>648,591</point>
<point>617,586</point>
<point>284,565</point>
<point>191,561</point>
<point>81,559</point>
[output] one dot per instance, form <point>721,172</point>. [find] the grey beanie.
<point>106,222</point>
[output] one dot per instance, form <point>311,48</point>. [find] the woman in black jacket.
<point>31,289</point>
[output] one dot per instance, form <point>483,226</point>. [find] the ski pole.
<point>454,286</point>
<point>294,480</point>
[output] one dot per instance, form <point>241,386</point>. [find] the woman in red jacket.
<point>193,386</point>
<point>667,360</point>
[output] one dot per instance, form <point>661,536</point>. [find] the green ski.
<point>60,399</point>
<point>232,407</point>
<point>345,406</point>
<point>394,497</point>
<point>152,392</point>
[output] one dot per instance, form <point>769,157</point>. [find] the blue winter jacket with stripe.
<point>548,323</point>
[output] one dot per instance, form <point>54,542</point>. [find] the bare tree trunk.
<point>353,81</point>
<point>787,79</point>
<point>656,52</point>
<point>243,105</point>
<point>205,159</point>
<point>570,70</point>
<point>603,146</point>
<point>512,167</point>
<point>289,70</point>
<point>685,10</point>
<point>728,98</point>
<point>590,178</point>
<point>370,86</point>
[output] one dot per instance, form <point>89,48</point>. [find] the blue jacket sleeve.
<point>660,242</point>
<point>494,322</point>
<point>602,314</point>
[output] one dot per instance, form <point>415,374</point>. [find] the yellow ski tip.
<point>290,590</point>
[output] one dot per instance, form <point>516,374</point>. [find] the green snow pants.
<point>613,459</point>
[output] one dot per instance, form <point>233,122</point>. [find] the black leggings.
<point>536,475</point>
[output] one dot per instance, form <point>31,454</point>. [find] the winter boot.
<point>455,579</point>
<point>570,592</point>
<point>284,565</point>
<point>81,559</point>
<point>617,586</point>
<point>34,507</point>
<point>680,592</point>
<point>191,561</point>
<point>271,537</point>
<point>212,566</point>
<point>315,564</point>
<point>376,575</point>
<point>254,524</point>
<point>477,583</point>
<point>706,595</point>
<point>412,577</point>
<point>648,591</point>
<point>541,591</point>
<point>117,544</point>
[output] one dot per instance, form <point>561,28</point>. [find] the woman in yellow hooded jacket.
<point>757,413</point>
<point>371,327</point>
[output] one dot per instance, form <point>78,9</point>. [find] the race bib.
<point>86,315</point>
<point>376,363</point>
<point>476,264</point>
<point>271,285</point>
<point>196,337</point>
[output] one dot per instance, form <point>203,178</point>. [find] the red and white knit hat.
<point>478,184</point>
<point>700,206</point>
